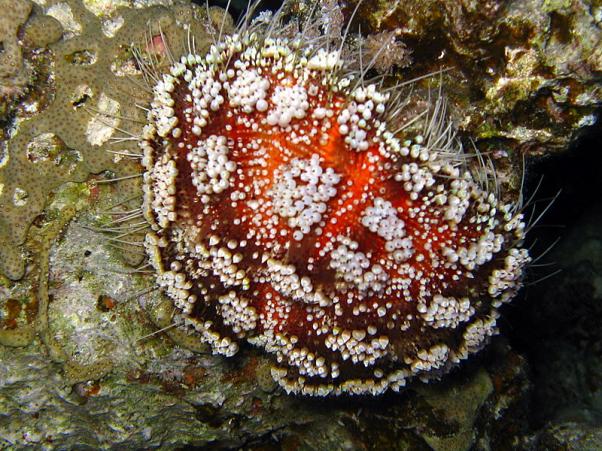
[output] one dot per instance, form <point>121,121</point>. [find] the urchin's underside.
<point>286,212</point>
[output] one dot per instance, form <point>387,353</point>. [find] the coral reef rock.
<point>88,357</point>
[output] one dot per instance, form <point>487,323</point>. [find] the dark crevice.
<point>555,323</point>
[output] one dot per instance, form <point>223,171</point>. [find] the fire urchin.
<point>286,211</point>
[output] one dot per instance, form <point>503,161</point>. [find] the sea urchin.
<point>287,212</point>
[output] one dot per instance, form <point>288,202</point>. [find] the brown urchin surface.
<point>285,212</point>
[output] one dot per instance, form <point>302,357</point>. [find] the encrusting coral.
<point>94,90</point>
<point>14,72</point>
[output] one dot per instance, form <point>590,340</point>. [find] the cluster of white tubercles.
<point>415,149</point>
<point>478,253</point>
<point>354,269</point>
<point>289,102</point>
<point>308,363</point>
<point>162,112</point>
<point>513,221</point>
<point>355,120</point>
<point>177,288</point>
<point>163,181</point>
<point>223,262</point>
<point>458,200</point>
<point>428,360</point>
<point>324,61</point>
<point>206,97</point>
<point>211,168</point>
<point>301,191</point>
<point>501,281</point>
<point>414,179</point>
<point>248,91</point>
<point>446,312</point>
<point>285,280</point>
<point>237,313</point>
<point>382,219</point>
<point>357,346</point>
<point>476,335</point>
<point>219,345</point>
<point>375,386</point>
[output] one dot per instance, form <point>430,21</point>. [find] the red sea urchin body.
<point>284,212</point>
